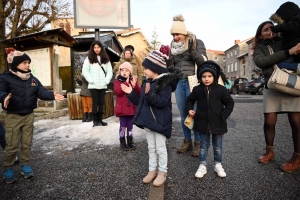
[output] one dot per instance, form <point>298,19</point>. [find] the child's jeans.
<point>217,146</point>
<point>18,129</point>
<point>288,66</point>
<point>157,149</point>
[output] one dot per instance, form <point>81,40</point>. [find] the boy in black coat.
<point>214,105</point>
<point>287,18</point>
<point>19,91</point>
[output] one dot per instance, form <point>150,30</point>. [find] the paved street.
<point>97,171</point>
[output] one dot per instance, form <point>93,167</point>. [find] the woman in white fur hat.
<point>186,50</point>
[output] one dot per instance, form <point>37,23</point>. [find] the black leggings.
<point>269,128</point>
<point>98,100</point>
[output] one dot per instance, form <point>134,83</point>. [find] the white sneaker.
<point>201,171</point>
<point>236,95</point>
<point>219,169</point>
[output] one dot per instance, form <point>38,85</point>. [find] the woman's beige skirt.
<point>274,101</point>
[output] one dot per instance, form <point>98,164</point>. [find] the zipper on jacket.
<point>152,113</point>
<point>208,110</point>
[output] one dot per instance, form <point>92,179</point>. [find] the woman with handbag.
<point>97,70</point>
<point>186,51</point>
<point>275,102</point>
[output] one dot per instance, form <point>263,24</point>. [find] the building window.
<point>232,67</point>
<point>228,68</point>
<point>224,59</point>
<point>228,55</point>
<point>244,70</point>
<point>235,52</point>
<point>216,58</point>
<point>231,54</point>
<point>235,66</point>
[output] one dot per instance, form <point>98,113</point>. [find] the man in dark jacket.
<point>237,85</point>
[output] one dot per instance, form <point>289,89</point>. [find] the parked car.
<point>242,82</point>
<point>255,86</point>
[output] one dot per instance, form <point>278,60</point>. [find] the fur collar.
<point>170,78</point>
<point>277,19</point>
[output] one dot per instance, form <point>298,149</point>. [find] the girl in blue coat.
<point>154,112</point>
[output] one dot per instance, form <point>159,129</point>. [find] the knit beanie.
<point>178,25</point>
<point>126,65</point>
<point>288,10</point>
<point>14,58</point>
<point>209,66</point>
<point>129,47</point>
<point>156,62</point>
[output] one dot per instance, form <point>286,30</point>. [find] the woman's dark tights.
<point>269,128</point>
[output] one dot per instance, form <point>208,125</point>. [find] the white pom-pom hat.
<point>178,25</point>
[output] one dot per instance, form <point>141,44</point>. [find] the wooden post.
<point>57,82</point>
<point>108,104</point>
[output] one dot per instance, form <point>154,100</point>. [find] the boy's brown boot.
<point>187,145</point>
<point>150,176</point>
<point>160,179</point>
<point>292,164</point>
<point>269,155</point>
<point>196,149</point>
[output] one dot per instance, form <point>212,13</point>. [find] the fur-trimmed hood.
<point>285,13</point>
<point>170,78</point>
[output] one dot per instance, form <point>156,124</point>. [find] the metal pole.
<point>97,33</point>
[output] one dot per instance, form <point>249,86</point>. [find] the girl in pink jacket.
<point>124,109</point>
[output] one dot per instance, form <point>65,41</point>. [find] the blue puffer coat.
<point>24,93</point>
<point>154,109</point>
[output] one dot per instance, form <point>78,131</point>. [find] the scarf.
<point>23,76</point>
<point>177,48</point>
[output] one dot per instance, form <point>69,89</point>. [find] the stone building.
<point>218,57</point>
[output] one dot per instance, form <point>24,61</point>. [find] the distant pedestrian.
<point>214,106</point>
<point>186,50</point>
<point>154,112</point>
<point>228,85</point>
<point>19,91</point>
<point>274,102</point>
<point>128,56</point>
<point>97,70</point>
<point>237,85</point>
<point>86,98</point>
<point>124,109</point>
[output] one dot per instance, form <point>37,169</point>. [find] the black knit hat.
<point>14,58</point>
<point>129,47</point>
<point>288,10</point>
<point>156,62</point>
<point>209,66</point>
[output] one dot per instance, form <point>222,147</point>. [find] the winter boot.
<point>187,145</point>
<point>269,155</point>
<point>89,118</point>
<point>160,179</point>
<point>292,164</point>
<point>130,143</point>
<point>100,120</point>
<point>150,176</point>
<point>85,117</point>
<point>123,144</point>
<point>9,176</point>
<point>196,149</point>
<point>26,171</point>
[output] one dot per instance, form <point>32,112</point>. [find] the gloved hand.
<point>191,47</point>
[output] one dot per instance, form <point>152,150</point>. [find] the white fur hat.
<point>178,25</point>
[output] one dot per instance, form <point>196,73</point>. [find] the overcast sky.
<point>217,22</point>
